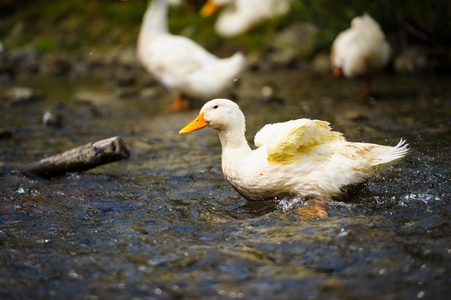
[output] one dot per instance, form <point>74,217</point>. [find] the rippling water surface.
<point>164,223</point>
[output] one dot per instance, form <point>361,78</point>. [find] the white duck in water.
<point>298,158</point>
<point>240,15</point>
<point>360,51</point>
<point>180,64</point>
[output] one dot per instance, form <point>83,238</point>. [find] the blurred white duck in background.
<point>298,158</point>
<point>238,16</point>
<point>180,64</point>
<point>360,51</point>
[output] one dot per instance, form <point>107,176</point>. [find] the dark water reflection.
<point>165,224</point>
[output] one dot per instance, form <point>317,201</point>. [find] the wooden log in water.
<point>75,160</point>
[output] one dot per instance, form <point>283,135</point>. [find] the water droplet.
<point>342,233</point>
<point>74,275</point>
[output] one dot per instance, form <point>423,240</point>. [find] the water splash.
<point>288,204</point>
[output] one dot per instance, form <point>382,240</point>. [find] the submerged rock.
<point>125,76</point>
<point>52,119</point>
<point>297,41</point>
<point>321,63</point>
<point>5,133</point>
<point>57,65</point>
<point>413,60</point>
<point>269,93</point>
<point>126,93</point>
<point>22,60</point>
<point>19,95</point>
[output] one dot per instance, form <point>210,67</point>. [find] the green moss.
<point>79,24</point>
<point>45,44</point>
<point>19,40</point>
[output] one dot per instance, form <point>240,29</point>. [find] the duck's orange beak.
<point>196,124</point>
<point>208,9</point>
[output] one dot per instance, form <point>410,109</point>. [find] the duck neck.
<point>155,18</point>
<point>232,140</point>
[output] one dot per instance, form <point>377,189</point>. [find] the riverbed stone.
<point>412,60</point>
<point>56,65</point>
<point>295,42</point>
<point>20,95</point>
<point>321,63</point>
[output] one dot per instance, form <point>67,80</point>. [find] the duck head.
<point>219,114</point>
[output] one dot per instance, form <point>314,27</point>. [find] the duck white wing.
<point>240,15</point>
<point>285,140</point>
<point>176,55</point>
<point>186,67</point>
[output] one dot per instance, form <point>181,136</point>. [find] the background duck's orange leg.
<point>336,72</point>
<point>178,103</point>
<point>367,88</point>
<point>181,102</point>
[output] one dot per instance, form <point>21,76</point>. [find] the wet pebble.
<point>148,80</point>
<point>149,93</point>
<point>5,133</point>
<point>269,94</point>
<point>21,61</point>
<point>411,61</point>
<point>297,41</point>
<point>126,93</point>
<point>320,63</point>
<point>332,284</point>
<point>57,65</point>
<point>19,95</point>
<point>135,92</point>
<point>125,78</point>
<point>52,119</point>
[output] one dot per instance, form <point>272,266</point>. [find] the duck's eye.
<point>215,107</point>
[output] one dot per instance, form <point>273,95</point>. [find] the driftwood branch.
<point>75,160</point>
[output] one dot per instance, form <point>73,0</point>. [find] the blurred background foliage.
<point>77,26</point>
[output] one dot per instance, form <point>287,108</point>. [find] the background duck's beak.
<point>196,124</point>
<point>208,9</point>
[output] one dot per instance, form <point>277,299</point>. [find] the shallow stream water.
<point>164,224</point>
